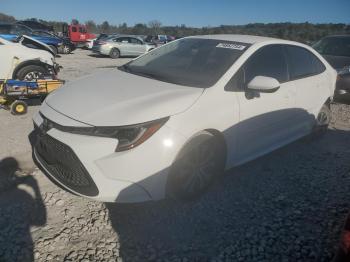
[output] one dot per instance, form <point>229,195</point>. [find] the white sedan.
<point>171,121</point>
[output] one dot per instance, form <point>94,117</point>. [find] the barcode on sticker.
<point>231,46</point>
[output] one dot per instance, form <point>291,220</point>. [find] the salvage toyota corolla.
<point>171,121</point>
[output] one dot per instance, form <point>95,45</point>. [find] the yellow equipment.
<point>15,94</point>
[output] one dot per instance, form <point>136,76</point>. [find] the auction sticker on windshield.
<point>231,46</point>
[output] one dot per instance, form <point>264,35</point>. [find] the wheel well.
<point>220,138</point>
<point>28,63</point>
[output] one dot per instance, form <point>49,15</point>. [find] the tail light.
<point>100,42</point>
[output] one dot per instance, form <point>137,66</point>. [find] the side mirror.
<point>264,84</point>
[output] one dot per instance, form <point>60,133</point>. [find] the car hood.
<point>117,98</point>
<point>40,45</point>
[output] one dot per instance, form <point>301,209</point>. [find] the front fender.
<point>38,62</point>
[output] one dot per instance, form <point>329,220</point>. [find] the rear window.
<point>302,63</point>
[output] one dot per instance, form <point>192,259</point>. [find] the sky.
<point>197,13</point>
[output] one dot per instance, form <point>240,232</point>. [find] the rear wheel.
<point>114,53</point>
<point>199,163</point>
<point>18,107</point>
<point>31,72</point>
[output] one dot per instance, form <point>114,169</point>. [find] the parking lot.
<point>287,206</point>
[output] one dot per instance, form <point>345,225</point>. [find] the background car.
<point>67,46</point>
<point>21,62</point>
<point>12,31</point>
<point>184,113</point>
<point>158,40</point>
<point>90,42</point>
<point>121,45</point>
<point>336,50</point>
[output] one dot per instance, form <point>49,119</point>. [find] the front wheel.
<point>66,49</point>
<point>199,163</point>
<point>31,72</point>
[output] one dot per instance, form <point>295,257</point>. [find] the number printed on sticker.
<point>231,46</point>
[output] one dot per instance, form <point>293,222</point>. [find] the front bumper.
<point>136,175</point>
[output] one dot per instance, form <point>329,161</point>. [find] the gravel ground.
<point>287,206</point>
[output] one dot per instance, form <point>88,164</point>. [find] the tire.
<point>54,49</point>
<point>19,107</point>
<point>31,72</point>
<point>197,166</point>
<point>66,49</point>
<point>114,53</point>
<point>323,120</point>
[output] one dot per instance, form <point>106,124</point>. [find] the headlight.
<point>59,44</point>
<point>128,136</point>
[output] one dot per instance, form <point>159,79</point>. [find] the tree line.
<point>302,32</point>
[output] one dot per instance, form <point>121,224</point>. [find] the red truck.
<point>77,34</point>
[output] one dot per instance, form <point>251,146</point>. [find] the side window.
<point>302,63</point>
<point>74,29</point>
<point>267,61</point>
<point>122,40</point>
<point>135,41</point>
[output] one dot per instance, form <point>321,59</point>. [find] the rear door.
<point>122,43</point>
<point>266,119</point>
<point>308,75</point>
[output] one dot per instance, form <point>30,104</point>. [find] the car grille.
<point>62,163</point>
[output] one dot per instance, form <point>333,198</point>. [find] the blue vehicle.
<point>11,32</point>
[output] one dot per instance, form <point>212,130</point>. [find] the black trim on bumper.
<point>59,160</point>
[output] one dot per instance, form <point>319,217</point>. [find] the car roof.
<point>249,39</point>
<point>119,35</point>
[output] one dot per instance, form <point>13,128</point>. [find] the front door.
<point>266,119</point>
<point>136,46</point>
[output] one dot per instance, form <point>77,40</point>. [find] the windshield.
<point>337,46</point>
<point>189,61</point>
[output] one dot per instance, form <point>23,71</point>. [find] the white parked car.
<point>122,45</point>
<point>28,59</point>
<point>171,121</point>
